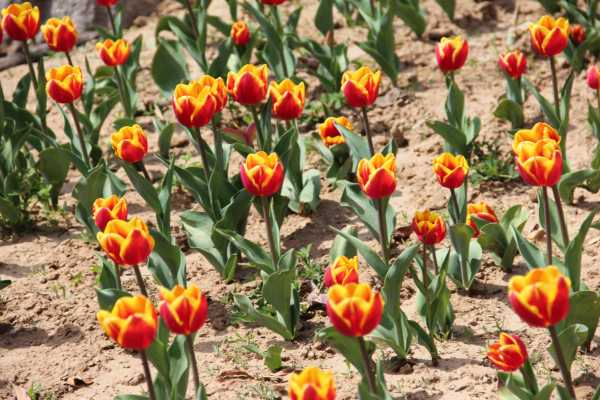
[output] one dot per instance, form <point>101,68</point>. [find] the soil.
<point>49,337</point>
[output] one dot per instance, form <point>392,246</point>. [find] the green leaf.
<point>365,251</point>
<point>255,253</point>
<point>9,211</point>
<point>468,254</point>
<point>167,263</point>
<point>555,229</point>
<point>108,297</point>
<point>324,16</point>
<point>143,187</point>
<point>547,107</point>
<point>168,66</point>
<point>342,246</point>
<point>570,339</point>
<point>347,346</point>
<point>277,291</point>
<point>4,283</point>
<point>448,6</point>
<point>571,180</point>
<point>575,250</point>
<point>412,15</point>
<point>246,307</point>
<point>532,255</point>
<point>511,111</point>
<point>54,164</point>
<point>451,135</point>
<point>584,309</point>
<point>359,148</point>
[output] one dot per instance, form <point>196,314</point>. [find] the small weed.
<point>490,163</point>
<point>77,279</point>
<point>59,290</point>
<point>36,392</point>
<point>263,391</point>
<point>308,267</point>
<point>235,349</point>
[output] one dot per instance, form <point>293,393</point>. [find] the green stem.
<point>203,155</point>
<point>562,364</point>
<point>111,19</point>
<point>219,153</point>
<point>365,118</point>
<point>30,65</point>
<point>142,167</point>
<point>548,223</point>
<point>259,133</point>
<point>148,375</point>
<point>436,269</point>
<point>140,280</point>
<point>529,377</point>
<point>84,151</point>
<point>266,211</point>
<point>455,205</point>
<point>279,27</point>
<point>69,60</point>
<point>555,87</point>
<point>385,247</point>
<point>367,363</point>
<point>190,11</point>
<point>428,316</point>
<point>192,358</point>
<point>561,215</point>
<point>123,93</point>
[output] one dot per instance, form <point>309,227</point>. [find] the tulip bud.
<point>132,323</point>
<point>113,53</point>
<point>577,34</point>
<point>508,354</point>
<point>312,384</point>
<point>272,2</point>
<point>361,87</point>
<point>64,84</point>
<point>549,37</point>
<point>450,170</point>
<point>21,21</point>
<point>342,271</point>
<point>107,3</point>
<point>592,77</point>
<point>130,143</point>
<point>287,99</point>
<point>354,309</point>
<point>240,34</point>
<point>429,227</point>
<point>262,174</point>
<point>183,310</point>
<point>540,163</point>
<point>249,85</point>
<point>107,209</point>
<point>193,104</point>
<point>514,63</point>
<point>377,176</point>
<point>127,243</point>
<point>451,53</point>
<point>60,34</point>
<point>329,132</point>
<point>540,131</point>
<point>540,298</point>
<point>481,211</point>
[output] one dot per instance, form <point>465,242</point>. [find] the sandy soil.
<point>49,336</point>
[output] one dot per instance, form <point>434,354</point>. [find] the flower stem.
<point>548,223</point>
<point>69,59</point>
<point>140,280</point>
<point>529,377</point>
<point>562,364</point>
<point>111,19</point>
<point>142,167</point>
<point>454,201</point>
<point>203,155</point>
<point>266,211</point>
<point>123,93</point>
<point>84,151</point>
<point>425,277</point>
<point>561,215</point>
<point>365,118</point>
<point>555,87</point>
<point>259,133</point>
<point>148,375</point>
<point>30,65</point>
<point>436,269</point>
<point>385,248</point>
<point>219,154</point>
<point>190,10</point>
<point>118,273</point>
<point>192,357</point>
<point>367,365</point>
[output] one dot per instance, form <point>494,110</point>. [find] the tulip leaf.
<point>108,278</point>
<point>143,187</point>
<point>547,107</point>
<point>465,261</point>
<point>512,111</point>
<point>532,255</point>
<point>22,91</point>
<point>359,148</point>
<point>555,228</point>
<point>168,66</point>
<point>108,297</point>
<point>453,136</point>
<point>367,253</point>
<point>197,226</point>
<point>324,16</point>
<point>167,262</point>
<point>277,291</point>
<point>342,246</point>
<point>178,366</point>
<point>394,277</point>
<point>253,315</point>
<point>346,345</point>
<point>584,309</point>
<point>448,6</point>
<point>255,253</point>
<point>571,180</point>
<point>4,283</point>
<point>570,339</point>
<point>131,397</point>
<point>411,13</point>
<point>9,211</point>
<point>575,250</point>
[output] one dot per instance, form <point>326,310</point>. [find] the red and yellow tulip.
<point>451,53</point>
<point>539,163</point>
<point>481,211</point>
<point>312,384</point>
<point>132,323</point>
<point>354,309</point>
<point>450,170</point>
<point>183,310</point>
<point>107,209</point>
<point>361,87</point>
<point>540,298</point>
<point>130,143</point>
<point>262,174</point>
<point>540,131</point>
<point>549,36</point>
<point>194,104</point>
<point>60,34</point>
<point>514,63</point>
<point>64,84</point>
<point>21,21</point>
<point>240,34</point>
<point>113,53</point>
<point>217,90</point>
<point>342,271</point>
<point>288,99</point>
<point>127,243</point>
<point>429,227</point>
<point>508,354</point>
<point>249,85</point>
<point>329,132</point>
<point>577,34</point>
<point>377,176</point>
<point>107,3</point>
<point>592,77</point>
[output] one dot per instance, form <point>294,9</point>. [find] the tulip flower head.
<point>249,86</point>
<point>107,3</point>
<point>577,34</point>
<point>361,87</point>
<point>342,271</point>
<point>377,176</point>
<point>262,174</point>
<point>450,170</point>
<point>329,132</point>
<point>193,104</point>
<point>130,143</point>
<point>272,2</point>
<point>481,211</point>
<point>429,227</point>
<point>540,298</point>
<point>132,323</point>
<point>451,53</point>
<point>107,209</point>
<point>217,90</point>
<point>514,63</point>
<point>312,384</point>
<point>183,310</point>
<point>540,163</point>
<point>354,309</point>
<point>60,34</point>
<point>240,34</point>
<point>64,84</point>
<point>127,243</point>
<point>508,354</point>
<point>113,53</point>
<point>592,77</point>
<point>21,21</point>
<point>549,36</point>
<point>540,131</point>
<point>287,99</point>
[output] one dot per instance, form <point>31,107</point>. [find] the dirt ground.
<point>49,337</point>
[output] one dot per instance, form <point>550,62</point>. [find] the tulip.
<point>429,227</point>
<point>592,77</point>
<point>540,131</point>
<point>132,323</point>
<point>549,37</point>
<point>342,271</point>
<point>113,53</point>
<point>481,211</point>
<point>450,170</point>
<point>64,84</point>
<point>540,298</point>
<point>60,34</point>
<point>249,85</point>
<point>312,384</point>
<point>451,53</point>
<point>107,209</point>
<point>514,63</point>
<point>240,34</point>
<point>361,87</point>
<point>272,2</point>
<point>508,354</point>
<point>287,99</point>
<point>577,34</point>
<point>107,3</point>
<point>217,90</point>
<point>262,174</point>
<point>377,176</point>
<point>21,21</point>
<point>183,310</point>
<point>127,243</point>
<point>130,143</point>
<point>540,163</point>
<point>329,132</point>
<point>354,309</point>
<point>193,104</point>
